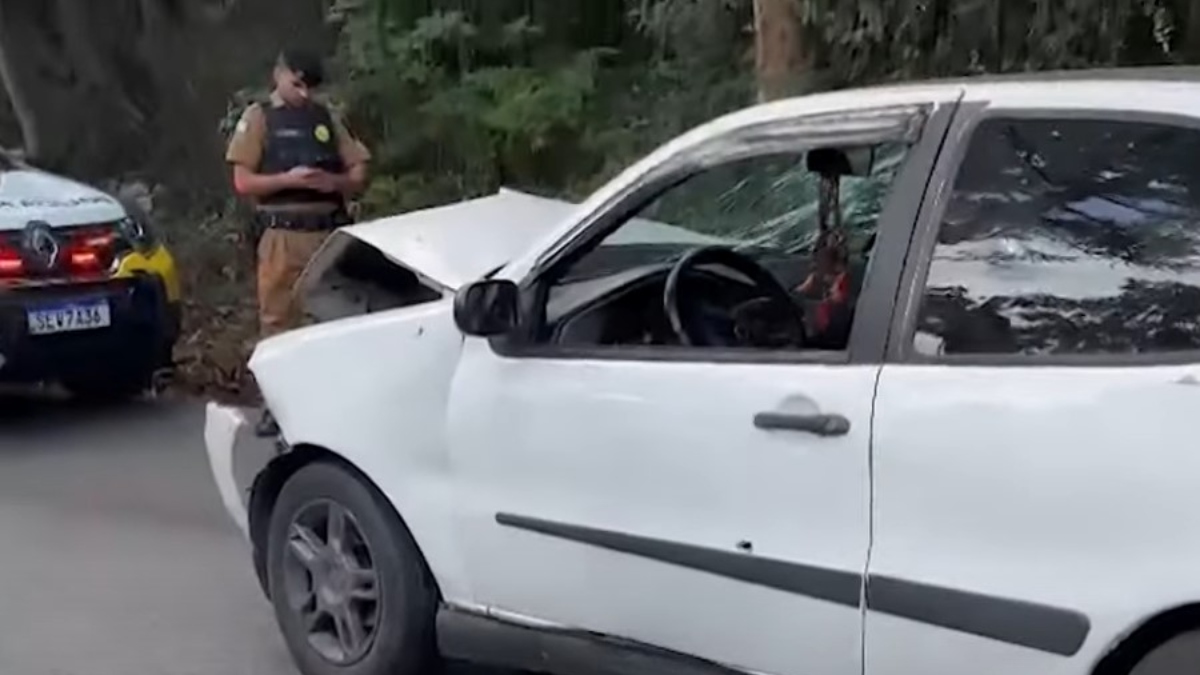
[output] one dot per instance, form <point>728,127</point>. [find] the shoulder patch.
<point>243,123</point>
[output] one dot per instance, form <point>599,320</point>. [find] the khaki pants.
<point>282,257</point>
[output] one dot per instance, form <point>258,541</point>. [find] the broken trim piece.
<point>902,124</point>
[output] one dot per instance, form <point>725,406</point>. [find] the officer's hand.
<point>302,176</point>
<point>325,182</point>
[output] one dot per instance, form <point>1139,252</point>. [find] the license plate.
<point>69,317</point>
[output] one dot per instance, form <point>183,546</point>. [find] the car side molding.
<point>1044,628</point>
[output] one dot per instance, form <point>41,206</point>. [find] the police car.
<point>89,297</point>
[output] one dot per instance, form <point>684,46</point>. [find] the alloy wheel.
<point>331,583</point>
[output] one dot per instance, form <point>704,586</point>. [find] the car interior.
<point>717,296</point>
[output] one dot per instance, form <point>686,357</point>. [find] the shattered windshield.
<point>766,206</point>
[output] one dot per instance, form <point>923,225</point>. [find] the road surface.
<point>116,555</point>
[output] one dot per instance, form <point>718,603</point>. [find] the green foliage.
<point>704,33</point>
<point>459,97</point>
<point>869,40</point>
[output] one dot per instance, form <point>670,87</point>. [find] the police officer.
<point>295,160</point>
<point>298,164</point>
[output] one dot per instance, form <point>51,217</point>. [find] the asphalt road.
<point>117,557</point>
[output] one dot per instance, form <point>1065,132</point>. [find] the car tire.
<point>320,590</point>
<point>1180,654</point>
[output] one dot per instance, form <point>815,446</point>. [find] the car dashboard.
<point>627,309</point>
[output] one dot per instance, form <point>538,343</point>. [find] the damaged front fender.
<point>236,456</point>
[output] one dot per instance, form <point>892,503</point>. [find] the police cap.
<point>307,65</point>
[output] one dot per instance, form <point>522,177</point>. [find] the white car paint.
<point>646,455</point>
<point>29,194</point>
<point>1070,486</point>
<point>221,427</point>
<point>383,420</point>
<point>1065,486</point>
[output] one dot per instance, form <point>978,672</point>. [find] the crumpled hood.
<point>459,243</point>
<point>29,194</point>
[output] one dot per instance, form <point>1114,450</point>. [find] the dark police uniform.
<point>273,138</point>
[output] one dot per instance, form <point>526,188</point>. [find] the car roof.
<point>1128,78</point>
<point>1122,75</point>
<point>1132,83</point>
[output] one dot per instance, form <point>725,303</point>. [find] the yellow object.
<point>157,261</point>
<point>323,133</point>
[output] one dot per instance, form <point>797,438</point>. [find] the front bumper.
<point>236,456</point>
<point>144,326</point>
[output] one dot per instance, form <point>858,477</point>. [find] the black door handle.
<point>821,425</point>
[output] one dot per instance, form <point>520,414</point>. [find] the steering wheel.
<point>695,327</point>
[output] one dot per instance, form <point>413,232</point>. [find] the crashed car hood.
<point>462,242</point>
<point>29,194</point>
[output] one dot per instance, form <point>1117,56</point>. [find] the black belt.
<point>301,221</point>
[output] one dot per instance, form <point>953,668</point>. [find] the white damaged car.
<point>878,382</point>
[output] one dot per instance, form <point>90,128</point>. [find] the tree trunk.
<point>781,57</point>
<point>22,107</point>
<point>1191,36</point>
<point>103,89</point>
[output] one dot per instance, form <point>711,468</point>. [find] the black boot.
<point>267,427</point>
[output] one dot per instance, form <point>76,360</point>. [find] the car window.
<point>1068,237</point>
<point>766,207</point>
<point>763,205</point>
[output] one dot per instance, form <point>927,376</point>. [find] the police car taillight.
<point>87,251</point>
<point>85,260</point>
<point>11,263</point>
<point>91,249</point>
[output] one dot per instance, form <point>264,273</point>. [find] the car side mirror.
<point>487,308</point>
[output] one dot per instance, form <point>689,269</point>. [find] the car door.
<point>682,497</point>
<point>1034,453</point>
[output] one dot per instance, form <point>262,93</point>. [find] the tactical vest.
<point>300,136</point>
